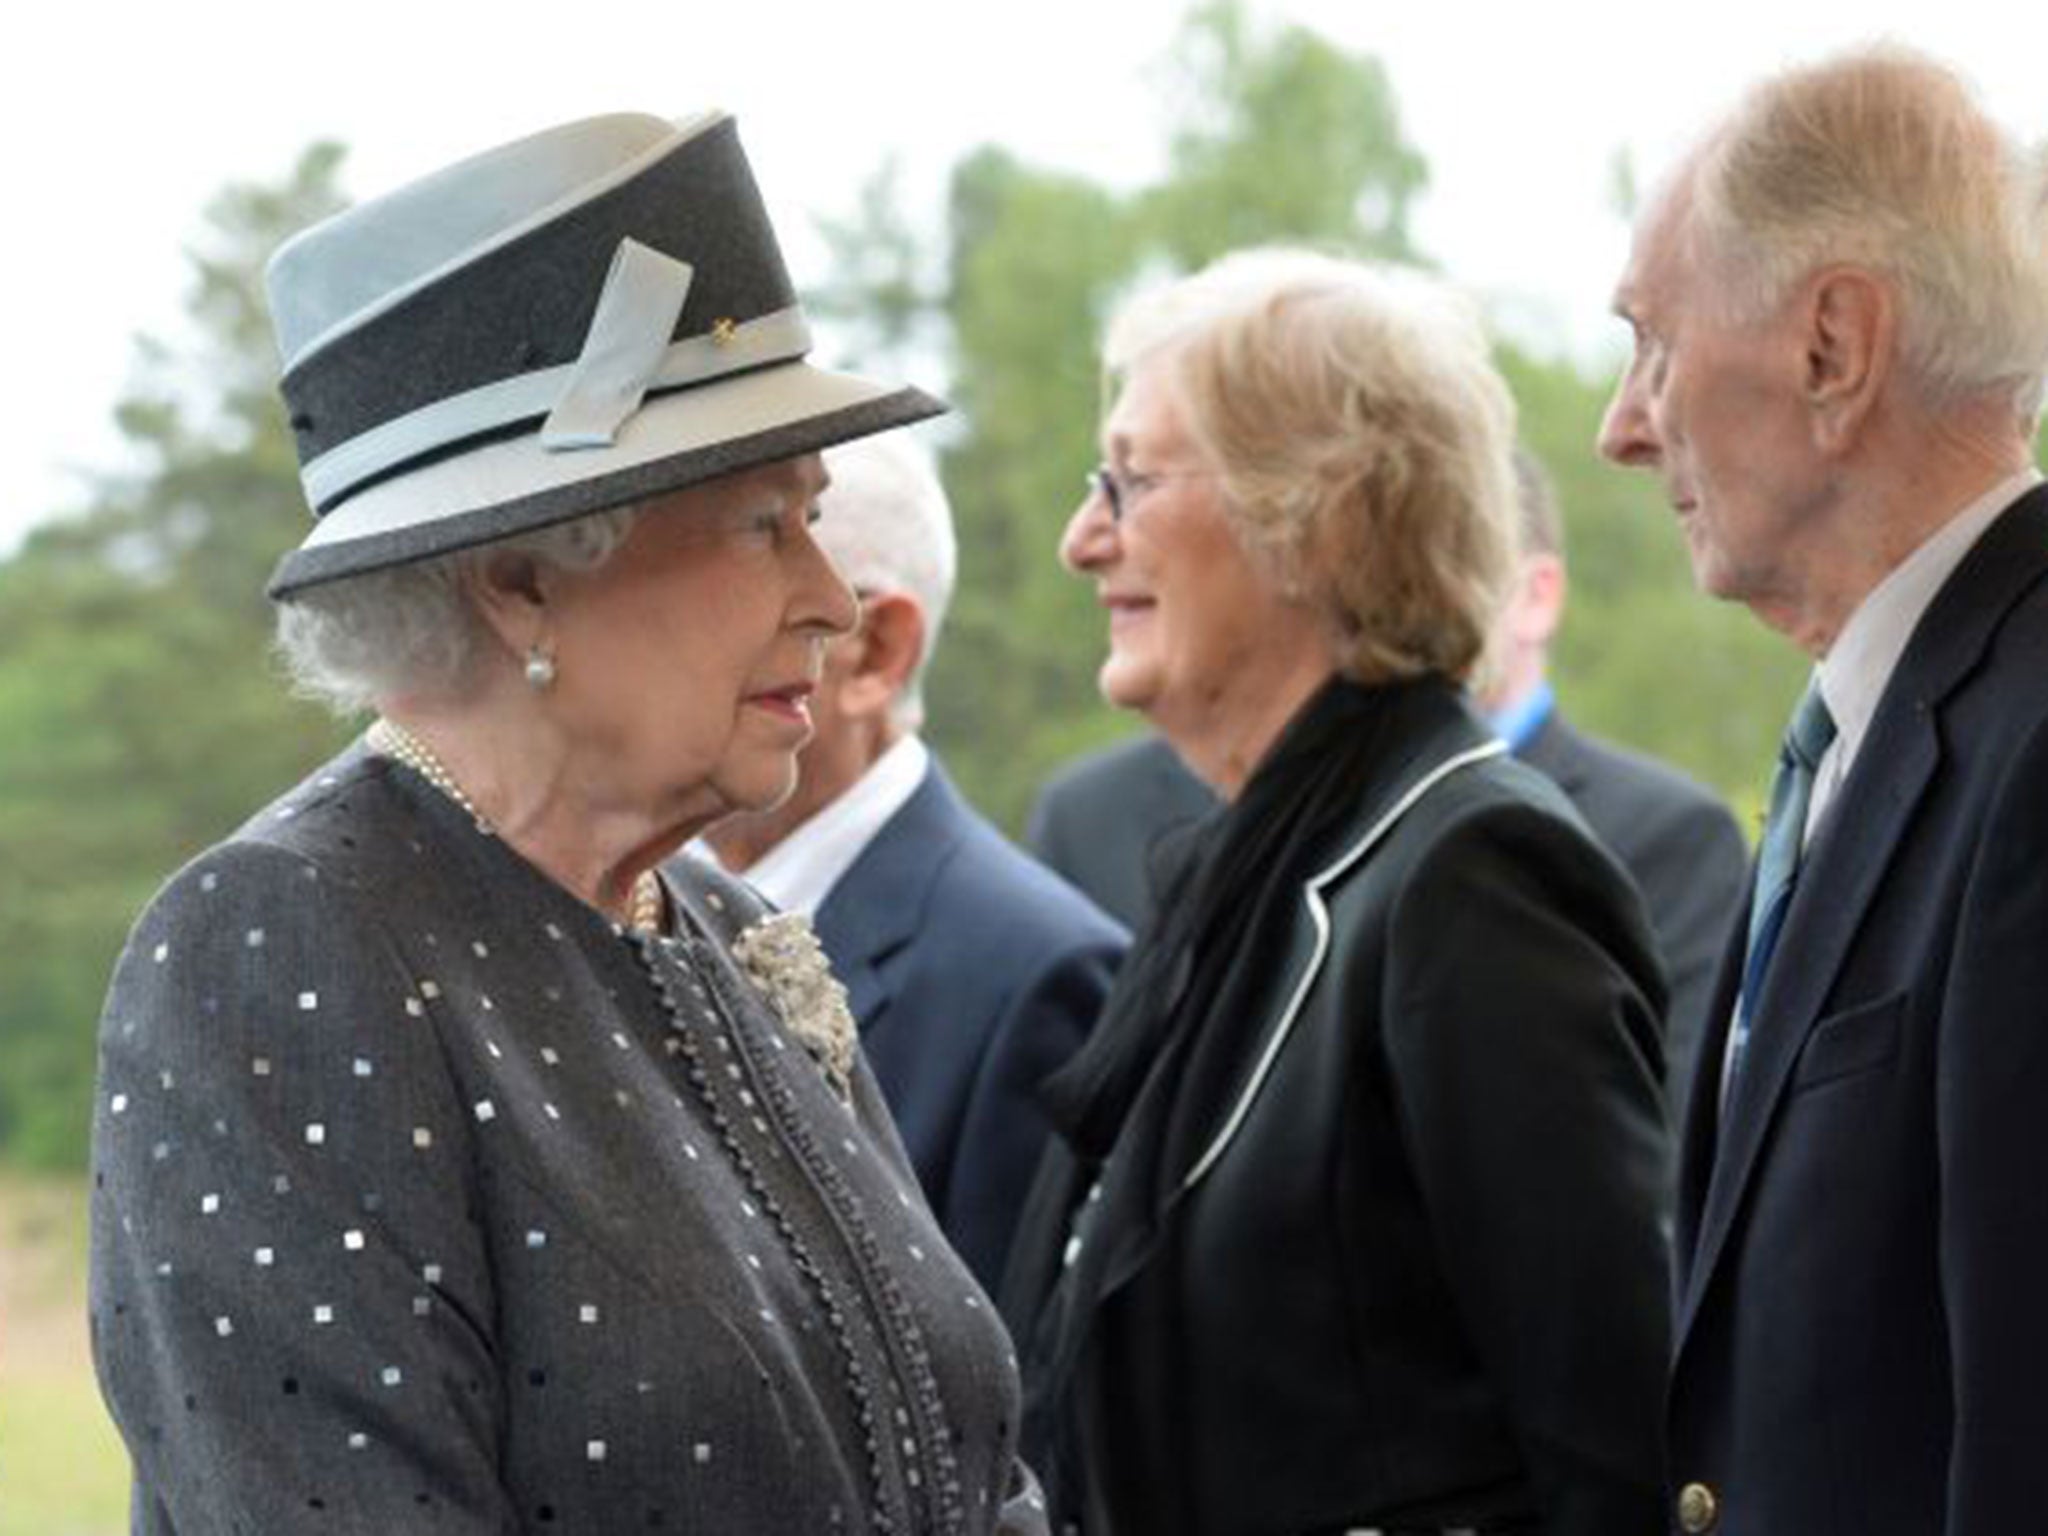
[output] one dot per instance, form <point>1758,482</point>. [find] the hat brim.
<point>514,485</point>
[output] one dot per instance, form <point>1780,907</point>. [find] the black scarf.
<point>1170,1048</point>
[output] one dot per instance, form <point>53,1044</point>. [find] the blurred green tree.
<point>140,717</point>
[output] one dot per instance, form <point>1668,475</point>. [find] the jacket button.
<point>1698,1509</point>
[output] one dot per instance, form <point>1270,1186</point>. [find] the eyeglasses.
<point>1122,490</point>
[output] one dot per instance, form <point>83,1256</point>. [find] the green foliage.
<point>1280,138</point>
<point>140,718</point>
<point>1034,260</point>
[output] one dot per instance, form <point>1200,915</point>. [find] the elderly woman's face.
<point>1201,641</point>
<point>686,662</point>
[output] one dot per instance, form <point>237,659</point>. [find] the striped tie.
<point>1777,864</point>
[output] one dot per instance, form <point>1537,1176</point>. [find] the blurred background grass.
<point>63,1471</point>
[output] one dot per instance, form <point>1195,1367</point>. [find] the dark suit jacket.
<point>1418,1279</point>
<point>1097,820</point>
<point>1863,1238</point>
<point>973,974</point>
<point>1685,853</point>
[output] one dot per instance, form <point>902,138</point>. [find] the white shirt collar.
<point>1853,675</point>
<point>798,873</point>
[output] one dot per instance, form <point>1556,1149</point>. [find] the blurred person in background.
<point>972,972</point>
<point>1675,838</point>
<point>1102,820</point>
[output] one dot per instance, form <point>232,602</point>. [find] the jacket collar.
<point>878,905</point>
<point>1438,736</point>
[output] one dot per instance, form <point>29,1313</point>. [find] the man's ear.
<point>1537,607</point>
<point>511,592</point>
<point>886,649</point>
<point>1851,331</point>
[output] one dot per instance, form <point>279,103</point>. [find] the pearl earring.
<point>540,669</point>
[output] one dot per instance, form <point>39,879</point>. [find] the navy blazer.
<point>1863,1237</point>
<point>973,973</point>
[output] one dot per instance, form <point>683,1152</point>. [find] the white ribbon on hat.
<point>636,315</point>
<point>781,336</point>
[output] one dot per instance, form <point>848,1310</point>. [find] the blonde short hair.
<point>1363,439</point>
<point>1881,158</point>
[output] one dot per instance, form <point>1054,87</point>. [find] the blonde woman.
<point>1352,1221</point>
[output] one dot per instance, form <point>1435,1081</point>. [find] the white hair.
<point>412,628</point>
<point>1881,158</point>
<point>885,523</point>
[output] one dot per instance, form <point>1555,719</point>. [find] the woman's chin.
<point>1127,683</point>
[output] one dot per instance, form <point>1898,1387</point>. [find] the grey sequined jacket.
<point>428,1201</point>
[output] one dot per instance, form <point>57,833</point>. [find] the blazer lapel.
<point>878,905</point>
<point>1840,875</point>
<point>1848,858</point>
<point>1444,741</point>
<point>1701,1124</point>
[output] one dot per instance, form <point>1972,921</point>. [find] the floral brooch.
<point>782,956</point>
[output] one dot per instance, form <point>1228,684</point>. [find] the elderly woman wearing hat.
<point>454,1170</point>
<point>1352,1224</point>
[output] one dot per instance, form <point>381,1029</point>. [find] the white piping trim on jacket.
<point>1312,893</point>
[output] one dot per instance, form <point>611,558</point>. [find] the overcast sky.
<point>116,126</point>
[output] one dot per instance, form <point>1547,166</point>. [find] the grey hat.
<point>577,320</point>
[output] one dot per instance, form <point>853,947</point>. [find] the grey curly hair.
<point>412,628</point>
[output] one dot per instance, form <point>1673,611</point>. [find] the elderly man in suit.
<point>972,972</point>
<point>1840,308</point>
<point>1676,838</point>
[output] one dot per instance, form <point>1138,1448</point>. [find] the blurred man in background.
<point>1675,837</point>
<point>971,971</point>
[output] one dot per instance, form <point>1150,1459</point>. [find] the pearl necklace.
<point>390,739</point>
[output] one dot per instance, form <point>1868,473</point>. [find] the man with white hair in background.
<point>972,971</point>
<point>1840,308</point>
